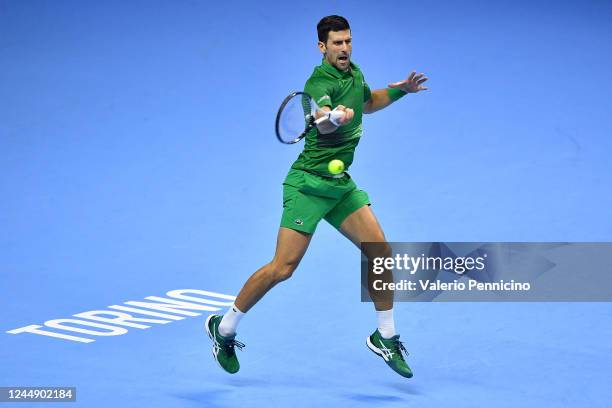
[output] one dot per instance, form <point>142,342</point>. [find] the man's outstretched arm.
<point>381,98</point>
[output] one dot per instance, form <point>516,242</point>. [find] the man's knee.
<point>377,250</point>
<point>282,270</point>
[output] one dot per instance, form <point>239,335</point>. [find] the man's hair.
<point>331,23</point>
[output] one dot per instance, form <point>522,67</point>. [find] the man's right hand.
<point>326,125</point>
<point>348,114</point>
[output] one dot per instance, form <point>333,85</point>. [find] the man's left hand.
<point>412,84</point>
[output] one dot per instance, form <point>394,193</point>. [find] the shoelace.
<point>398,347</point>
<point>234,343</point>
<point>230,344</point>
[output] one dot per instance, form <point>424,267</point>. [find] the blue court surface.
<point>138,158</point>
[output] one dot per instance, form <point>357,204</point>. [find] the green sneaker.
<point>391,351</point>
<point>223,347</point>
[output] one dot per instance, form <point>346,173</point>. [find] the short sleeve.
<point>367,94</point>
<point>320,90</point>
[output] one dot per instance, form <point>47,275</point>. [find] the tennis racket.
<point>297,115</point>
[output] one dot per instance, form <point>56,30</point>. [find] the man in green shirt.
<point>311,193</point>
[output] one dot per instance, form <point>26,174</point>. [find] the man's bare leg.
<point>362,226</point>
<point>291,246</point>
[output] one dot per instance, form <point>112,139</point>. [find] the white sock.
<point>386,324</point>
<point>230,321</point>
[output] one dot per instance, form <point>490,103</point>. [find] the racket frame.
<point>310,118</point>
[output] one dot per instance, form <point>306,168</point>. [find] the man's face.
<point>338,49</point>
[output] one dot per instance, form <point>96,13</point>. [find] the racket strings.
<point>295,118</point>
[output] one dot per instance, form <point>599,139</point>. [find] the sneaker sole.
<point>210,336</point>
<point>375,349</point>
<point>206,326</point>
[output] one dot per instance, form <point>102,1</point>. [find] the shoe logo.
<point>298,222</point>
<point>386,351</point>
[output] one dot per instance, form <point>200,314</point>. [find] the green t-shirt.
<point>331,87</point>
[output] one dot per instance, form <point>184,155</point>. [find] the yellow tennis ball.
<point>335,166</point>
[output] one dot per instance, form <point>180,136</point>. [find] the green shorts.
<point>308,198</point>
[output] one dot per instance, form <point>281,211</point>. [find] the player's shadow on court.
<point>293,381</point>
<point>380,398</point>
<point>405,388</point>
<point>246,382</point>
<point>374,399</point>
<point>210,398</point>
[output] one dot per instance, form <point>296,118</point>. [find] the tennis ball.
<point>335,166</point>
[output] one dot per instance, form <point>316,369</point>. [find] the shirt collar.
<point>330,69</point>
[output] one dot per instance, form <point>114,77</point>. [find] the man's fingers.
<point>348,115</point>
<point>419,79</point>
<point>412,83</point>
<point>423,88</point>
<point>396,84</point>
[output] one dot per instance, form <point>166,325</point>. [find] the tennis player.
<point>311,193</point>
